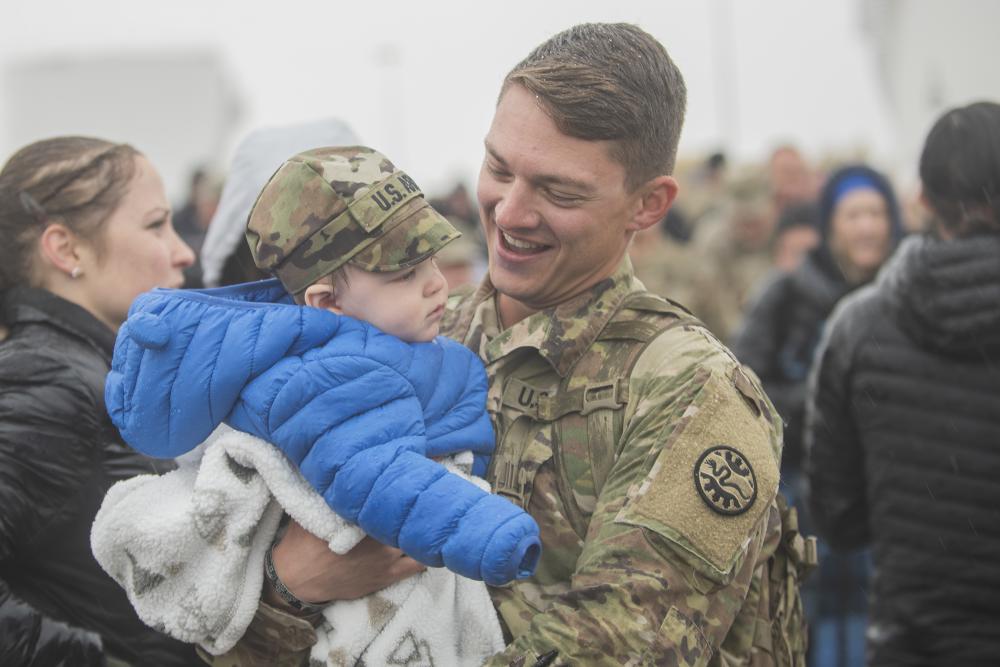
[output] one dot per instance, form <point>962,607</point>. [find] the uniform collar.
<point>560,334</point>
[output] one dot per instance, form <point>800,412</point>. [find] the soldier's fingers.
<point>369,548</point>
<point>403,568</point>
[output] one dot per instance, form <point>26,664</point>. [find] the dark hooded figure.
<point>903,420</point>
<point>859,225</point>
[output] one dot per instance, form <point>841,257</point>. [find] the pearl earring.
<point>76,272</point>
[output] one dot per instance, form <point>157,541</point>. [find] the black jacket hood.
<point>946,294</point>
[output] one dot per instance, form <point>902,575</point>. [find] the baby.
<point>357,410</point>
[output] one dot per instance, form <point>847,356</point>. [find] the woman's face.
<point>136,250</point>
<point>860,233</point>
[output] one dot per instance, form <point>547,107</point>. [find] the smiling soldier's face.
<point>555,209</point>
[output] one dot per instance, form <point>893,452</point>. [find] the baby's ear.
<point>322,295</point>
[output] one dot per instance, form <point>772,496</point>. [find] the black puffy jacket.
<point>903,449</point>
<point>59,454</point>
<point>779,336</point>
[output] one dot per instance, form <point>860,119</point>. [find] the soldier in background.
<point>647,455</point>
<point>460,261</point>
<point>733,251</point>
<point>662,258</point>
<point>796,234</point>
<point>704,188</point>
<point>791,178</point>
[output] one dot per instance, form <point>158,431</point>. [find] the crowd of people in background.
<point>873,327</point>
<point>766,257</point>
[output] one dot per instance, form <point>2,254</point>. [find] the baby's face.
<point>407,304</point>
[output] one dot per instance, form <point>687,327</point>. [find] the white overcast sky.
<point>758,72</point>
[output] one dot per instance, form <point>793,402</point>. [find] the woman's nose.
<point>183,255</point>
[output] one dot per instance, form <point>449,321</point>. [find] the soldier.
<point>647,455</point>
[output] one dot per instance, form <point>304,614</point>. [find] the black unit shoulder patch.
<point>725,480</point>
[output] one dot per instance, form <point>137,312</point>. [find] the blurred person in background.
<point>704,188</point>
<point>469,254</point>
<point>460,262</point>
<point>916,218</point>
<point>225,255</point>
<point>859,223</point>
<point>191,220</point>
<point>662,258</point>
<point>903,420</point>
<point>458,204</point>
<point>732,253</point>
<point>86,228</point>
<point>791,178</point>
<point>796,235</point>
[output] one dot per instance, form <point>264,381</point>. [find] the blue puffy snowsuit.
<point>357,410</point>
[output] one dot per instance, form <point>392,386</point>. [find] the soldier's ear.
<point>652,202</point>
<point>322,295</point>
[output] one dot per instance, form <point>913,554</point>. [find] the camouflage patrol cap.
<point>329,206</point>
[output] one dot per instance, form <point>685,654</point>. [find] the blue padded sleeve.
<point>409,501</point>
<point>183,357</point>
<point>454,398</point>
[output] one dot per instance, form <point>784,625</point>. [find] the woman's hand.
<point>313,573</point>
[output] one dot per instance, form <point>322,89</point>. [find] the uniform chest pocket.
<point>525,448</point>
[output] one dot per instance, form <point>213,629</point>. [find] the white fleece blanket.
<point>188,547</point>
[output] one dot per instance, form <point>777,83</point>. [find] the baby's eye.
<point>409,275</point>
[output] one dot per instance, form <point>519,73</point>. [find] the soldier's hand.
<point>313,573</point>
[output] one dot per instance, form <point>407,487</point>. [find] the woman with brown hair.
<point>86,228</point>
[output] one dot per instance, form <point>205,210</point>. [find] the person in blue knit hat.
<point>859,225</point>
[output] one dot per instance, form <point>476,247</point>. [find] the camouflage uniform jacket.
<point>655,567</point>
<point>661,573</point>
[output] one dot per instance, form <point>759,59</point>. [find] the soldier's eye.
<point>496,171</point>
<point>561,199</point>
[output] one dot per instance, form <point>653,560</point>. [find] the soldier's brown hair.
<point>610,81</point>
<point>74,181</point>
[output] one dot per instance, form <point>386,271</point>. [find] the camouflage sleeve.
<point>681,525</point>
<point>273,639</point>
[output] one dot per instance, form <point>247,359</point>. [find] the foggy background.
<point>183,80</point>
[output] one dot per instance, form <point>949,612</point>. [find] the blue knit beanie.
<point>849,179</point>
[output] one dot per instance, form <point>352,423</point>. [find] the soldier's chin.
<point>516,285</point>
